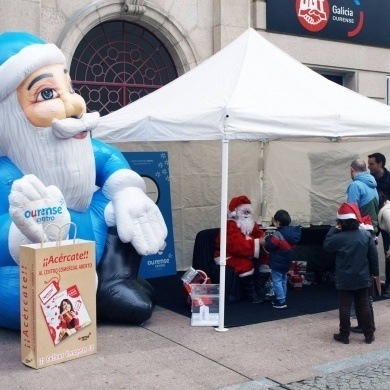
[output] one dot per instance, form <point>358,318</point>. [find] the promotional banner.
<point>357,21</point>
<point>154,169</point>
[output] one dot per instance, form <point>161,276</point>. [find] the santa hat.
<point>21,54</point>
<point>351,211</point>
<point>237,202</point>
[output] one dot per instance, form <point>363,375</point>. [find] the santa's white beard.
<point>66,163</point>
<point>246,224</point>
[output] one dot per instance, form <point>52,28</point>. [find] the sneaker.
<point>276,304</point>
<point>341,338</point>
<point>369,339</point>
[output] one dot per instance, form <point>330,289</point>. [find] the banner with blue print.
<point>154,169</point>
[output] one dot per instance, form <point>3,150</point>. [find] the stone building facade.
<point>191,31</point>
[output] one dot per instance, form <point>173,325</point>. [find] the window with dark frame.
<point>118,62</point>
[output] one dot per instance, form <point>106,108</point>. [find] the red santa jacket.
<point>239,245</point>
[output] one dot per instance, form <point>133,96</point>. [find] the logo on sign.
<point>312,14</point>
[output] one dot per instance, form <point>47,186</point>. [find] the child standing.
<point>281,246</point>
<point>356,262</point>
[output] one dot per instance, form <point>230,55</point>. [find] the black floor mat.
<point>314,298</point>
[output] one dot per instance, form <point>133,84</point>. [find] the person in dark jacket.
<point>281,246</point>
<point>356,263</point>
<point>363,192</point>
<point>376,165</point>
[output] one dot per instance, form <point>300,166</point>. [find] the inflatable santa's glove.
<point>136,216</point>
<point>138,220</point>
<point>34,206</point>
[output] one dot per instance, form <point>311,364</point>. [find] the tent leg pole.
<point>261,177</point>
<point>222,267</point>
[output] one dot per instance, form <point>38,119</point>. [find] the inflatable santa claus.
<point>49,159</point>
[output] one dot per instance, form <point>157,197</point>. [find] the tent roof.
<point>248,90</point>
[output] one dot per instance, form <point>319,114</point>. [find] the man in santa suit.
<point>243,246</point>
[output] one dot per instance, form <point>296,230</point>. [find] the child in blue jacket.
<point>281,246</point>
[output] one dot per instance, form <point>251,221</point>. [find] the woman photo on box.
<point>69,321</point>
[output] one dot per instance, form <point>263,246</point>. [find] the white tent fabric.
<point>248,90</point>
<point>315,172</point>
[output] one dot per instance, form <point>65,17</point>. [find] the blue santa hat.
<point>21,54</point>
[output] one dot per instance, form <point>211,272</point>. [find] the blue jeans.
<point>280,285</point>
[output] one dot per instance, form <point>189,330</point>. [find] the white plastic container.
<point>205,304</point>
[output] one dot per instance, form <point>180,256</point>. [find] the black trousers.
<point>362,307</point>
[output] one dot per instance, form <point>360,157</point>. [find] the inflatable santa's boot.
<point>122,296</point>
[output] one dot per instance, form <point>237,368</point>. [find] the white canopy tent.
<point>248,90</point>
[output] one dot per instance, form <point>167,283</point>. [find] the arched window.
<point>118,62</point>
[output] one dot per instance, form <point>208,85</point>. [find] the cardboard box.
<point>296,282</point>
<point>58,302</point>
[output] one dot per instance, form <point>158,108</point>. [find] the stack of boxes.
<point>296,274</point>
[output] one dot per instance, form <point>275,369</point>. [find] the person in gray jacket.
<point>356,263</point>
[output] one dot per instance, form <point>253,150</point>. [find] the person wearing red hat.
<point>356,262</point>
<point>242,246</point>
